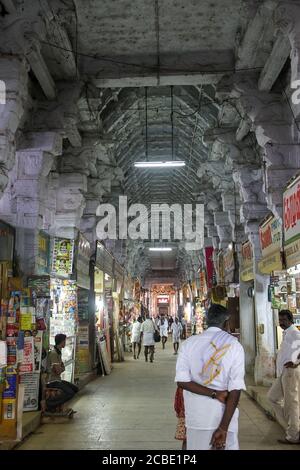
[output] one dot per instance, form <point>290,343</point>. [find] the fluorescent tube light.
<point>162,248</point>
<point>168,164</point>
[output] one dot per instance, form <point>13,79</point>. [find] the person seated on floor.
<point>55,367</point>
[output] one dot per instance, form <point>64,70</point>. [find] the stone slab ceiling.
<point>141,29</point>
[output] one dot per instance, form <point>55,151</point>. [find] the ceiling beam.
<point>280,53</point>
<point>153,81</point>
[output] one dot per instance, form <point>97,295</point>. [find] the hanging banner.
<point>209,251</point>
<point>62,258</point>
<point>247,273</point>
<point>83,262</point>
<point>291,217</point>
<point>43,255</point>
<point>203,284</point>
<point>229,265</point>
<point>270,236</point>
<point>219,266</point>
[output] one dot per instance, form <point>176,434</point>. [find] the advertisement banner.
<point>209,251</point>
<point>62,259</point>
<point>291,217</point>
<point>28,355</point>
<point>247,273</point>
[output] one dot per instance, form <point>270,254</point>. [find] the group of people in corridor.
<point>149,331</point>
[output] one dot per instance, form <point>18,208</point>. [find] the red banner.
<point>209,265</point>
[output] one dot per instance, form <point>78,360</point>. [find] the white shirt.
<point>289,349</point>
<point>147,326</point>
<point>203,412</point>
<point>176,329</point>
<point>136,328</point>
<point>164,325</point>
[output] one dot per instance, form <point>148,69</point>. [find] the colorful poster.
<point>40,286</point>
<point>10,391</point>
<point>31,394</point>
<point>62,259</point>
<point>26,321</point>
<point>291,217</point>
<point>28,358</point>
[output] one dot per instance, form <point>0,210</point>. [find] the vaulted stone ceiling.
<point>78,73</point>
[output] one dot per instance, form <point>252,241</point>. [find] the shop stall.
<point>86,315</point>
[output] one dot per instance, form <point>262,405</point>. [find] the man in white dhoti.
<point>207,365</point>
<point>163,326</point>
<point>136,337</point>
<point>284,394</point>
<point>147,336</point>
<point>176,330</point>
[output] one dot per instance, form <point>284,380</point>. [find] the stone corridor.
<point>133,409</point>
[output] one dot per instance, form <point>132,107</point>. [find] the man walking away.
<point>136,337</point>
<point>176,330</point>
<point>164,325</point>
<point>284,393</point>
<point>147,335</point>
<point>214,359</point>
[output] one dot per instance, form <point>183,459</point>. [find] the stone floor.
<point>133,409</point>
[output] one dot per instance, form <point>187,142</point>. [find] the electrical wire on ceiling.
<point>153,68</point>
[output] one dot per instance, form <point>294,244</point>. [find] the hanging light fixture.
<point>159,164</point>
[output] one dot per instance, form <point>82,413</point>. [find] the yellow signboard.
<point>270,263</point>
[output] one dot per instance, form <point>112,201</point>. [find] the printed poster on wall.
<point>28,355</point>
<point>62,259</point>
<point>38,346</point>
<point>31,391</point>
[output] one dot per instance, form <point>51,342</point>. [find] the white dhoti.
<point>136,337</point>
<point>148,339</point>
<point>203,412</point>
<point>198,439</point>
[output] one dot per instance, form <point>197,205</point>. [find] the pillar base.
<point>264,369</point>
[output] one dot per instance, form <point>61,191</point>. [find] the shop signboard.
<point>163,299</point>
<point>291,217</point>
<point>209,251</point>
<point>247,273</point>
<point>270,236</point>
<point>62,258</point>
<point>43,255</point>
